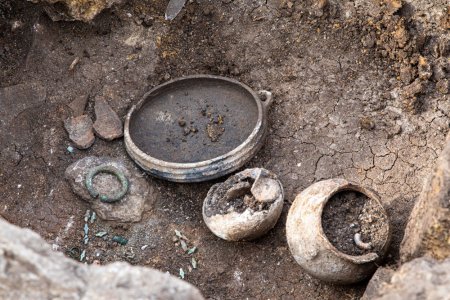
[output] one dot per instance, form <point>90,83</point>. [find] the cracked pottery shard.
<point>80,131</point>
<point>140,196</point>
<point>78,105</point>
<point>30,269</point>
<point>107,125</point>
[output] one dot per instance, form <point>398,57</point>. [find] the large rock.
<point>421,278</point>
<point>429,223</point>
<point>381,277</point>
<point>140,195</point>
<point>29,269</point>
<point>81,10</point>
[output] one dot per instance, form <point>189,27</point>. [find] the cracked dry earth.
<point>327,87</point>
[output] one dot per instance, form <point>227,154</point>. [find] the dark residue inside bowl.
<point>194,121</point>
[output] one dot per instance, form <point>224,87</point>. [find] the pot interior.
<point>194,119</point>
<point>350,212</point>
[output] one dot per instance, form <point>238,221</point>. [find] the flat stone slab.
<point>140,195</point>
<point>30,269</point>
<point>107,124</point>
<point>80,131</point>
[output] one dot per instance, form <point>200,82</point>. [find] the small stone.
<point>401,36</point>
<point>148,21</point>
<point>445,21</point>
<point>367,123</point>
<point>394,130</point>
<point>407,74</point>
<point>78,105</point>
<point>260,13</point>
<point>369,40</point>
<point>107,125</point>
<point>181,122</point>
<point>444,43</point>
<point>424,68</point>
<point>440,69</point>
<point>318,7</point>
<point>413,89</point>
<point>80,131</point>
<point>207,11</point>
<point>16,25</point>
<point>393,6</point>
<point>443,86</point>
<point>235,71</point>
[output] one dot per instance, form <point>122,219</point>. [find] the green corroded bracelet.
<point>111,170</point>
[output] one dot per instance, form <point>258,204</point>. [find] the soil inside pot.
<point>348,213</point>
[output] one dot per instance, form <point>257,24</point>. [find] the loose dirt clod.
<point>350,219</point>
<point>214,128</point>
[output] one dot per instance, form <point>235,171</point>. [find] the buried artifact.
<point>196,128</point>
<point>338,231</point>
<point>245,206</point>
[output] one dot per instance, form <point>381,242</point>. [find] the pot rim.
<point>167,164</point>
<point>358,259</point>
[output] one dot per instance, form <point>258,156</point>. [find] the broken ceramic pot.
<point>245,206</point>
<point>310,236</point>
